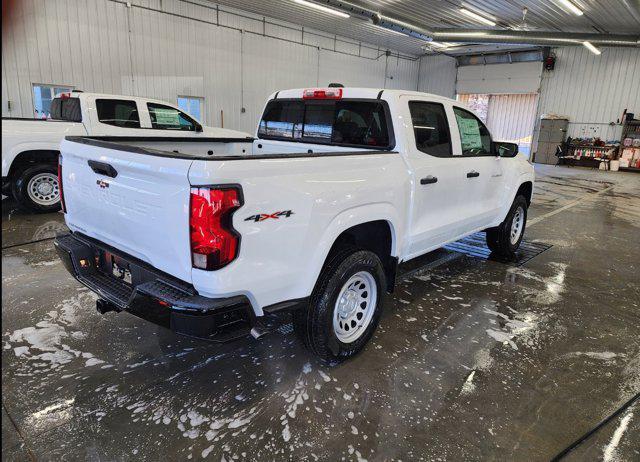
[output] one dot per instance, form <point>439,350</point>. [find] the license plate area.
<point>115,266</point>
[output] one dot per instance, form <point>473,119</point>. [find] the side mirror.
<point>505,149</point>
<point>198,127</point>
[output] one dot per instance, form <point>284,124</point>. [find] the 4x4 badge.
<point>266,216</point>
<point>103,184</point>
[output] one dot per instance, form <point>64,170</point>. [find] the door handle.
<point>473,174</point>
<point>102,168</point>
<point>429,180</point>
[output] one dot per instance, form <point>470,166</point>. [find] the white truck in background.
<point>313,216</point>
<point>30,147</point>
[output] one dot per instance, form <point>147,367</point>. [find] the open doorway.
<point>510,117</point>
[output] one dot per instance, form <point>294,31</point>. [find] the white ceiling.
<point>600,16</point>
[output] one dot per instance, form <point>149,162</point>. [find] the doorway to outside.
<point>509,117</point>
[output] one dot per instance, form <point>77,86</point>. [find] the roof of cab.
<point>366,93</point>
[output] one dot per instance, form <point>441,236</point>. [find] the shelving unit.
<point>630,129</point>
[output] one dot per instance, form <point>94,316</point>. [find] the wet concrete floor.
<point>473,360</point>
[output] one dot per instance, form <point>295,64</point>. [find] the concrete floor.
<point>474,359</point>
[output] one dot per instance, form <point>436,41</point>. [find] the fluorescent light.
<point>571,6</point>
<point>477,17</point>
<point>322,8</point>
<point>440,44</point>
<point>591,48</point>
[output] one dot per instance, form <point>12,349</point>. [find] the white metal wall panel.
<point>268,66</point>
<point>402,74</point>
<point>177,48</point>
<point>500,78</point>
<point>592,90</point>
<point>350,71</point>
<point>438,75</point>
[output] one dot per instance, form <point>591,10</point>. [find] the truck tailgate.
<point>135,202</point>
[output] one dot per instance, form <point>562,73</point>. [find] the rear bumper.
<point>152,294</point>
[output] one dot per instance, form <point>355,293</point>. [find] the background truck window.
<point>344,122</point>
<point>66,109</point>
<point>42,97</point>
<point>192,105</point>
<point>169,118</point>
<point>118,112</point>
<point>430,128</point>
<point>474,136</point>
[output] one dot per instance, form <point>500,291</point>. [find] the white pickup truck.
<point>340,186</point>
<point>30,147</point>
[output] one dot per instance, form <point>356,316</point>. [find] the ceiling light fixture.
<point>592,48</point>
<point>572,7</point>
<point>322,8</point>
<point>477,17</point>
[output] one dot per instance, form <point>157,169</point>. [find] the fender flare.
<point>380,211</point>
<point>15,151</point>
<point>522,178</point>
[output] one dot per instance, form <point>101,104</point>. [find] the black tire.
<point>20,189</point>
<point>499,238</point>
<point>314,323</point>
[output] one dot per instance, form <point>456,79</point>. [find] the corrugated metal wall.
<point>500,78</point>
<point>592,90</point>
<point>438,75</point>
<point>511,118</point>
<point>166,48</point>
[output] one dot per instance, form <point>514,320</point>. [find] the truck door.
<point>438,175</point>
<point>480,202</point>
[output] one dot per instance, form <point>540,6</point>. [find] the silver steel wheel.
<point>517,224</point>
<point>43,189</point>
<point>355,307</point>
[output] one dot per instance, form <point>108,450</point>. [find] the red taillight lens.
<point>214,242</point>
<point>60,191</point>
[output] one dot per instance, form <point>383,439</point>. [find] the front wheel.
<point>504,239</point>
<point>36,189</point>
<point>345,306</point>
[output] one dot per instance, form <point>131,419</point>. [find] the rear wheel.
<point>36,189</point>
<point>504,239</point>
<point>345,307</point>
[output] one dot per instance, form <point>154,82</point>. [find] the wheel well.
<point>526,190</point>
<point>28,158</point>
<point>374,236</point>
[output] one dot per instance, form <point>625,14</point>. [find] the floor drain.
<point>476,246</point>
<point>285,329</point>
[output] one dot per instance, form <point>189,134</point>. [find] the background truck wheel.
<point>505,238</point>
<point>36,188</point>
<point>345,306</point>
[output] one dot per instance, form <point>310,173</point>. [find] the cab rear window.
<point>66,109</point>
<point>357,123</point>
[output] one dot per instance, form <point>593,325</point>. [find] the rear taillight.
<point>60,191</point>
<point>214,242</point>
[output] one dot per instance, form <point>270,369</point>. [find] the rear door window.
<point>118,112</point>
<point>430,128</point>
<point>343,122</point>
<point>169,118</point>
<point>66,109</point>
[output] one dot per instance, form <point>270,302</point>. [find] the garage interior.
<point>474,359</point>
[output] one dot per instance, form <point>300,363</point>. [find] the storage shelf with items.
<point>588,152</point>
<point>630,148</point>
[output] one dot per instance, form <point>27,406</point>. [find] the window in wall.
<point>169,118</point>
<point>42,97</point>
<point>192,105</point>
<point>118,112</point>
<point>430,128</point>
<point>474,136</point>
<point>345,122</point>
